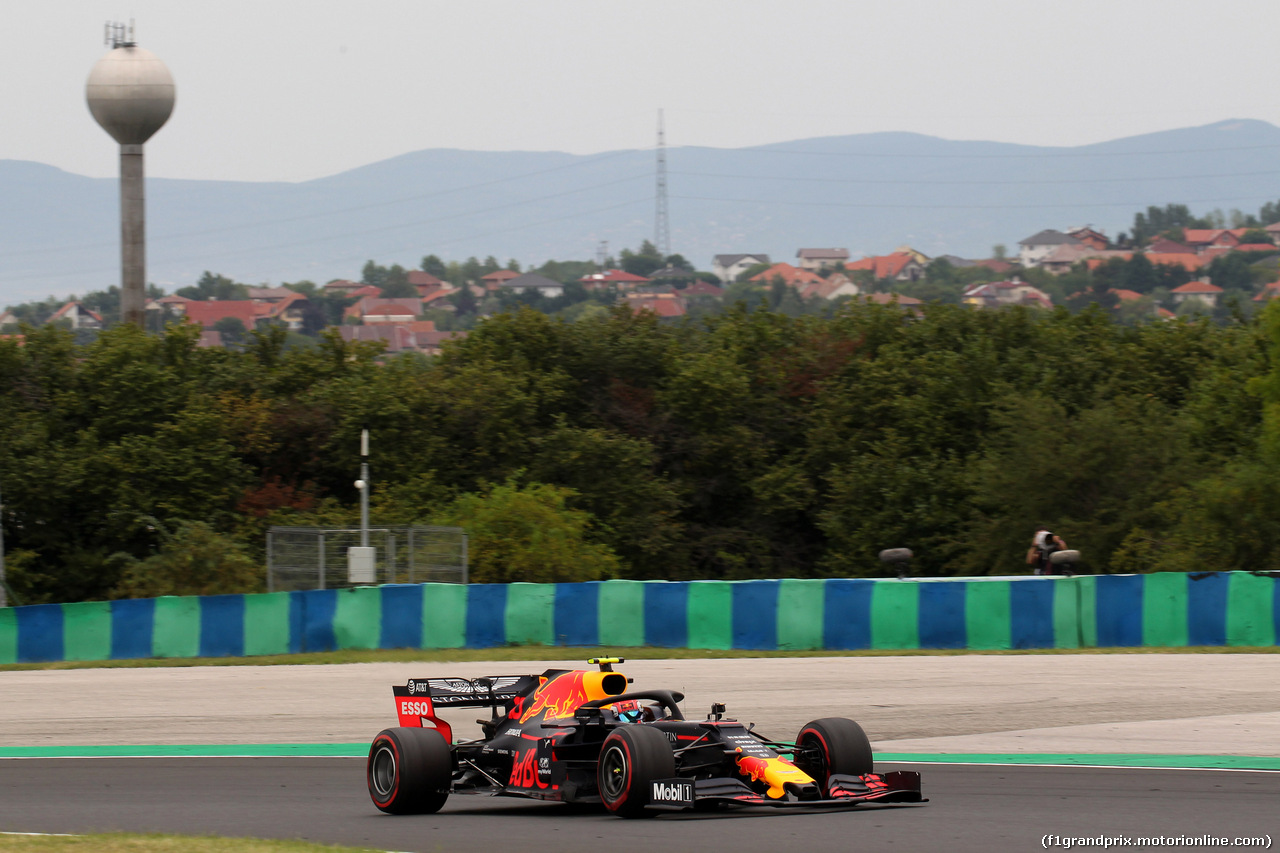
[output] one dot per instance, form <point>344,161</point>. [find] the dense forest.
<point>746,444</point>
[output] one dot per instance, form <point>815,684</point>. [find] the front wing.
<point>899,786</point>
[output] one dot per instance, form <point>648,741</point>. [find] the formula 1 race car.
<point>579,736</point>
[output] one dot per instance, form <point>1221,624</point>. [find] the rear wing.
<point>418,699</point>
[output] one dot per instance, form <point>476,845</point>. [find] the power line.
<point>894,181</point>
<point>884,206</point>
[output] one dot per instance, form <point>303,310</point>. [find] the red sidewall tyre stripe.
<point>395,783</point>
<point>626,788</point>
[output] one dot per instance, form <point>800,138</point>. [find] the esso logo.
<point>415,709</point>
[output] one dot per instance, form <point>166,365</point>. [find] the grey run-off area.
<point>1176,704</point>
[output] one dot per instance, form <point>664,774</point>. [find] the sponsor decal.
<point>671,792</point>
<point>511,732</point>
<point>524,772</point>
<point>559,697</point>
<point>410,708</point>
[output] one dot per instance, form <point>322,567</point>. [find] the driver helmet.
<point>629,710</point>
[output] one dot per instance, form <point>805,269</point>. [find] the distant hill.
<point>869,193</point>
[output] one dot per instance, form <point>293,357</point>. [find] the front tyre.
<point>631,758</point>
<point>409,771</point>
<point>833,745</point>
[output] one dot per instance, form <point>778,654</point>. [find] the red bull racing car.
<point>580,736</point>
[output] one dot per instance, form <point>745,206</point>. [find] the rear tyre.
<point>409,771</point>
<point>833,745</point>
<point>631,758</point>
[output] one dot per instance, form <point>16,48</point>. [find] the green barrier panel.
<point>1250,621</point>
<point>86,630</point>
<point>444,616</point>
<point>357,619</point>
<point>8,636</point>
<point>1164,609</point>
<point>530,616</point>
<point>1066,613</point>
<point>621,613</point>
<point>266,624</point>
<point>1087,602</point>
<point>895,615</point>
<point>711,615</point>
<point>801,613</point>
<point>176,633</point>
<point>987,615</point>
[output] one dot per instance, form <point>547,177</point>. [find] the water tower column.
<point>133,235</point>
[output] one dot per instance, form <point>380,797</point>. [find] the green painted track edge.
<point>359,750</point>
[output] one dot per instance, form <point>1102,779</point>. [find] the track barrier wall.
<point>1162,609</point>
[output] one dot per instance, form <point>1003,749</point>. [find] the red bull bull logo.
<point>772,771</point>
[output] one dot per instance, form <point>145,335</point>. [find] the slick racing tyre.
<point>409,771</point>
<point>833,745</point>
<point>631,758</point>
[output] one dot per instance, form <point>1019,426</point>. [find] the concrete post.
<point>133,236</point>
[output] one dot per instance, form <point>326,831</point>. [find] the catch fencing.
<point>300,558</point>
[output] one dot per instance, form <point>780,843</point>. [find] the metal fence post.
<point>270,574</point>
<point>465,562</point>
<point>322,559</point>
<point>413,574</point>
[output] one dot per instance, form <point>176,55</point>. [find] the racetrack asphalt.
<point>324,799</point>
<point>1168,704</point>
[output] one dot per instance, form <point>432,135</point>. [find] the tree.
<point>432,265</point>
<point>643,262</point>
<point>213,286</point>
<point>194,560</point>
<point>232,330</point>
<point>530,534</point>
<point>395,283</point>
<point>1257,235</point>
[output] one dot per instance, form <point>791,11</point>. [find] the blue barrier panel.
<point>846,618</point>
<point>39,633</point>
<point>1119,610</point>
<point>1207,608</point>
<point>1275,608</point>
<point>297,622</point>
<point>222,626</point>
<point>755,615</point>
<point>401,617</point>
<point>577,614</point>
<point>486,616</point>
<point>1031,612</point>
<point>132,623</point>
<point>941,616</point>
<point>318,609</point>
<point>666,614</point>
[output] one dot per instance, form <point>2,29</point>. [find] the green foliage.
<point>194,560</point>
<point>214,286</point>
<point>530,534</point>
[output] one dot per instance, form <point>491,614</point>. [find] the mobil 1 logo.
<point>672,793</point>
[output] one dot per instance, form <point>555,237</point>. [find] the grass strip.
<point>569,653</point>
<point>120,842</point>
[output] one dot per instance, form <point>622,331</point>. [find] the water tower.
<point>130,93</point>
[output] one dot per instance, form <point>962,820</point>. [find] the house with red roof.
<point>662,304</point>
<point>831,287</point>
<point>497,279</point>
<point>424,282</point>
<point>382,309</point>
<point>1269,291</point>
<point>703,288</point>
<point>621,279</point>
<point>1002,294</point>
<point>78,316</point>
<point>896,266</point>
<point>208,313</point>
<point>1095,240</point>
<point>1200,239</point>
<point>1191,263</point>
<point>342,285</point>
<point>791,276</point>
<point>1200,290</point>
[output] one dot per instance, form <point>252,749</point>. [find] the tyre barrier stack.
<point>1162,609</point>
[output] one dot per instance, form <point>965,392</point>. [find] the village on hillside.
<point>1194,271</point>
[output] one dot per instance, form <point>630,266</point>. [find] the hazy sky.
<point>297,89</point>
